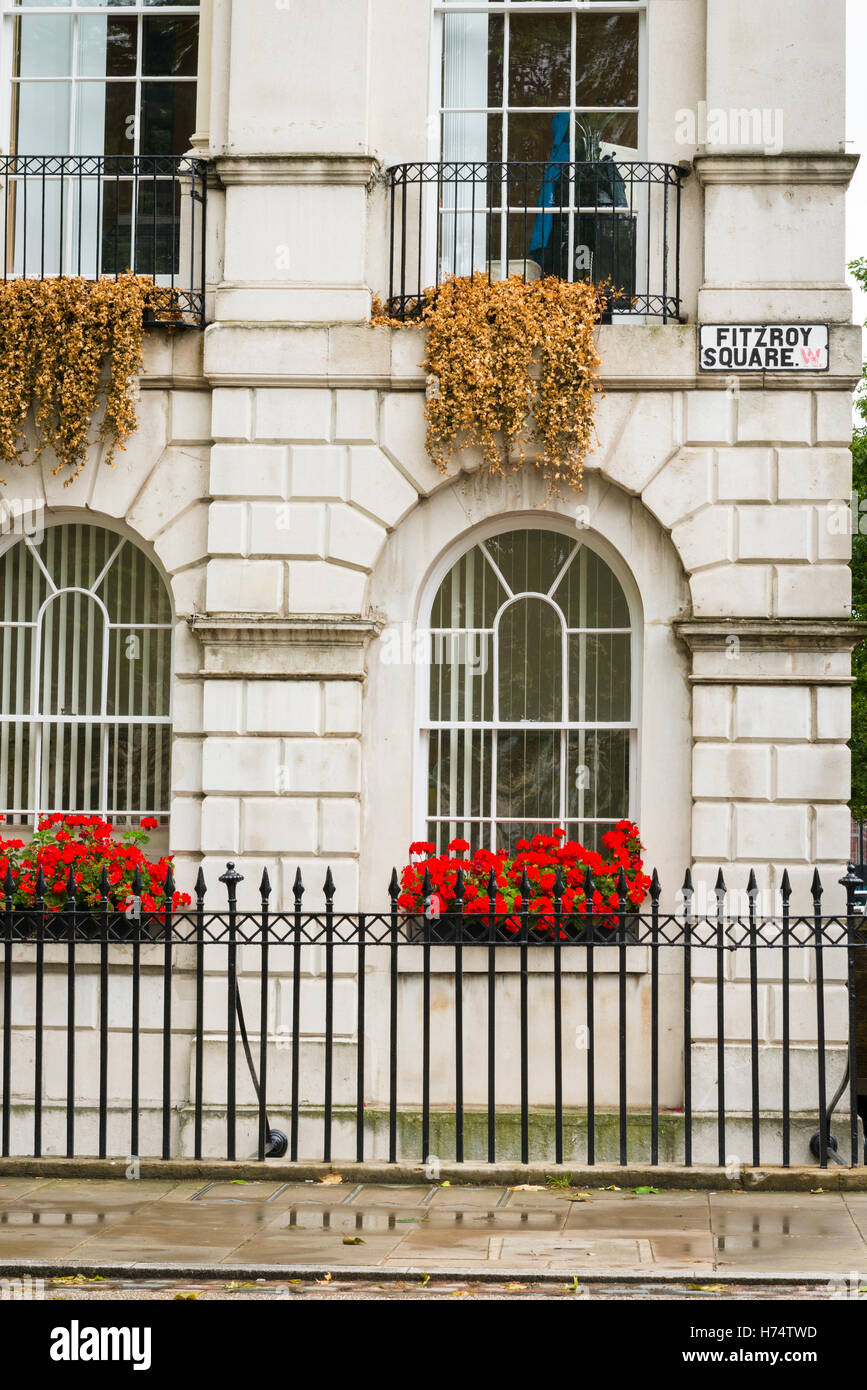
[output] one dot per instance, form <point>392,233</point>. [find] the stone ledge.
<point>780,169</point>
<point>233,629</point>
<point>790,633</point>
<point>306,647</point>
<point>355,169</point>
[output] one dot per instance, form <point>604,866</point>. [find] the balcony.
<point>104,215</point>
<point>614,223</point>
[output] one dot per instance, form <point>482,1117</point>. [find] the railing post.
<point>492,1007</point>
<point>103,1013</point>
<point>168,904</point>
<point>297,894</point>
<point>231,878</point>
<point>816,891</point>
<point>687,1018</point>
<point>655,891</point>
<point>753,893</point>
<point>427,889</point>
<point>786,894</point>
<point>558,1015</point>
<point>70,1013</point>
<point>198,1083</point>
<point>39,1016</point>
<point>329,1011</point>
<point>589,890</point>
<point>525,1060</point>
<point>720,895</point>
<point>851,881</point>
<point>392,1015</point>
<point>621,1008</point>
<point>135,910</point>
<point>264,894</point>
<point>9,894</point>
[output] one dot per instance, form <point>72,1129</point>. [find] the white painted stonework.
<point>279,480</point>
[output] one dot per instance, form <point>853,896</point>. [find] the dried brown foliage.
<point>500,354</point>
<point>56,339</point>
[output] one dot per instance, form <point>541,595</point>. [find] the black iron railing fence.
<point>413,987</point>
<point>104,215</point>
<point>615,223</point>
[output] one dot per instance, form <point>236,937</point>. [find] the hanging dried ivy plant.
<point>56,339</point>
<point>499,353</point>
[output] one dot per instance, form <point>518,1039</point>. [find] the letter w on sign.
<point>812,356</point>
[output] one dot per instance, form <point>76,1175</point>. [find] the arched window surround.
<point>104,727</point>
<point>486,830</point>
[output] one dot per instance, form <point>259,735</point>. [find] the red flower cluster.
<point>540,857</point>
<point>87,845</point>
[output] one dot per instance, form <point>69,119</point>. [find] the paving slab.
<point>225,1225</point>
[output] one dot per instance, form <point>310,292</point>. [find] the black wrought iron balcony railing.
<point>614,223</point>
<point>105,215</point>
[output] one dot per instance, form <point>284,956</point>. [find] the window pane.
<point>17,769</point>
<point>168,117</point>
<point>104,118</point>
<point>508,833</point>
<point>606,60</point>
<point>71,656</point>
<point>472,61</point>
<point>107,46</point>
<point>459,772</point>
<point>543,138</point>
<point>71,767</point>
<point>470,594</point>
<point>169,47</point>
<point>591,595</point>
<point>539,60</point>
<point>530,560</point>
<point>597,777</point>
<point>471,136</point>
<point>130,591</point>
<point>138,671</point>
<point>138,767</point>
<point>600,673</point>
<point>528,774</point>
<point>530,648</point>
<point>461,676</point>
<point>44,46</point>
<point>608,134</point>
<point>116,234</point>
<point>588,834</point>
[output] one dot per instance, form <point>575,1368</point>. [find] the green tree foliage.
<point>859,589</point>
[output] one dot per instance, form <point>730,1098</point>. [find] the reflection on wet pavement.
<point>431,1227</point>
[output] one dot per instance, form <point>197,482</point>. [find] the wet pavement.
<point>239,1231</point>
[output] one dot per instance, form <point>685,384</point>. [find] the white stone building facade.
<point>279,485</point>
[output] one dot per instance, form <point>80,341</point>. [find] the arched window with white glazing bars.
<point>85,683</point>
<point>530,721</point>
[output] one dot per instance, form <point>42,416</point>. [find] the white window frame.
<point>424,724</point>
<point>441,8</point>
<point>10,10</point>
<point>38,719</point>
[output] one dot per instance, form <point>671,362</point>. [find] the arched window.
<point>85,680</point>
<point>530,721</point>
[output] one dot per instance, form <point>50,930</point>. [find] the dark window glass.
<point>606,60</point>
<point>539,60</point>
<point>170,47</point>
